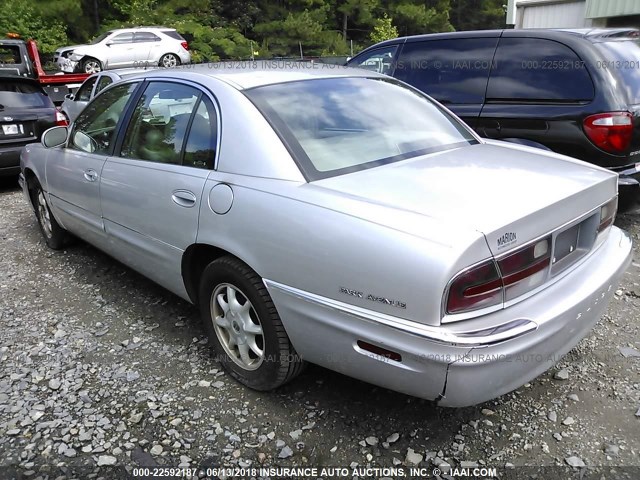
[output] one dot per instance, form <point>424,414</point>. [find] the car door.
<point>121,51</point>
<point>147,45</point>
<point>454,71</point>
<point>152,190</point>
<point>73,106</point>
<point>73,171</point>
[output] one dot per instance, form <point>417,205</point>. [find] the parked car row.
<point>575,92</point>
<point>312,219</point>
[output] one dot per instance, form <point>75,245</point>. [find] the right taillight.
<point>475,288</point>
<point>608,214</point>
<point>611,132</point>
<point>185,45</point>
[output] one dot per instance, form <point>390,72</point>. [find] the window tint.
<point>623,59</point>
<point>22,94</point>
<point>535,69</point>
<point>173,34</point>
<point>379,60</point>
<point>451,71</point>
<point>10,55</point>
<point>104,81</point>
<point>84,93</point>
<point>341,125</point>
<point>146,37</point>
<point>94,129</point>
<point>200,149</point>
<point>159,123</point>
<point>122,38</point>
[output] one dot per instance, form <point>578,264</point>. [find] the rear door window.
<point>538,70</point>
<point>451,71</point>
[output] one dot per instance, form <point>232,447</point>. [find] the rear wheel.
<point>244,328</point>
<point>169,60</point>
<point>54,235</point>
<point>91,65</point>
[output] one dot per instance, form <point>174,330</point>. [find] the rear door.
<point>537,91</point>
<point>121,51</point>
<point>454,71</point>
<point>73,171</point>
<point>147,45</point>
<point>152,190</point>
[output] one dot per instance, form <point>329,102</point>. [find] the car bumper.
<point>455,366</point>
<point>66,65</point>
<point>10,161</point>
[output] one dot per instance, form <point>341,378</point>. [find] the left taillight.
<point>61,120</point>
<point>494,282</point>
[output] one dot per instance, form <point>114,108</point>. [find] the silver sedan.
<point>340,217</point>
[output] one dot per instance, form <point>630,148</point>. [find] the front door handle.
<point>184,198</point>
<point>91,175</point>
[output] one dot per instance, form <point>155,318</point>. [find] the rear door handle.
<point>91,175</point>
<point>184,198</point>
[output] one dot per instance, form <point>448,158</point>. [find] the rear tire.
<point>244,328</point>
<point>169,60</point>
<point>54,235</point>
<point>91,65</point>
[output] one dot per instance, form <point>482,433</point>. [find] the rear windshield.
<point>10,55</point>
<point>173,34</point>
<point>16,94</point>
<point>335,126</point>
<point>623,58</point>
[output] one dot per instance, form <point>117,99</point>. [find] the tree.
<point>477,14</point>
<point>383,29</point>
<point>25,20</point>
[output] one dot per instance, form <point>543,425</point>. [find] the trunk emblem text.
<point>507,239</point>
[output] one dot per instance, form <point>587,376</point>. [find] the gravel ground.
<point>101,367</point>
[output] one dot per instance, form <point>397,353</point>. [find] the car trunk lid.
<point>511,194</point>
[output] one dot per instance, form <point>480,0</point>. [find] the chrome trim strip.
<point>471,338</point>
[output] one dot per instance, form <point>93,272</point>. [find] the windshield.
<point>20,94</point>
<point>340,125</point>
<point>100,38</point>
<point>623,59</point>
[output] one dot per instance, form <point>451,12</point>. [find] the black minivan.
<point>576,92</point>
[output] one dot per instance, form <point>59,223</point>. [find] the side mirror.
<point>108,44</point>
<point>69,96</point>
<point>84,142</point>
<point>54,137</point>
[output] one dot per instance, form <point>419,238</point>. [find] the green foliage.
<point>383,29</point>
<point>29,23</point>
<point>219,29</point>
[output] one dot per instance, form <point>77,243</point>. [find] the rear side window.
<point>535,69</point>
<point>173,34</point>
<point>10,55</point>
<point>145,37</point>
<point>18,94</point>
<point>623,59</point>
<point>451,71</point>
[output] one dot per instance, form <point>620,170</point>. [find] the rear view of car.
<point>25,113</point>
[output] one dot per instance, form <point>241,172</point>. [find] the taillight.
<point>492,283</point>
<point>608,214</point>
<point>477,287</point>
<point>185,45</point>
<point>611,132</point>
<point>61,120</point>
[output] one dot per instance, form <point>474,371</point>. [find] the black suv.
<point>576,92</point>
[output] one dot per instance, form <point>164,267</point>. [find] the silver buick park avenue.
<point>338,217</point>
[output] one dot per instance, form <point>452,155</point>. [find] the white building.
<point>573,13</point>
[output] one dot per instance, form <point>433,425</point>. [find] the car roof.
<point>137,29</point>
<point>245,75</point>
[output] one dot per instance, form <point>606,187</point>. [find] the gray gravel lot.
<point>101,367</point>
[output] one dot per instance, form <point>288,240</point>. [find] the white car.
<point>127,47</point>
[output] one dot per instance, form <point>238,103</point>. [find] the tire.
<point>54,235</point>
<point>169,60</point>
<point>268,359</point>
<point>91,65</point>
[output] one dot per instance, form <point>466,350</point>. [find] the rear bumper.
<point>628,186</point>
<point>447,363</point>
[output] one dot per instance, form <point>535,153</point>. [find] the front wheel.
<point>244,328</point>
<point>169,60</point>
<point>91,65</point>
<point>54,235</point>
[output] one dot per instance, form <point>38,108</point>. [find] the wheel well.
<point>31,180</point>
<point>194,260</point>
